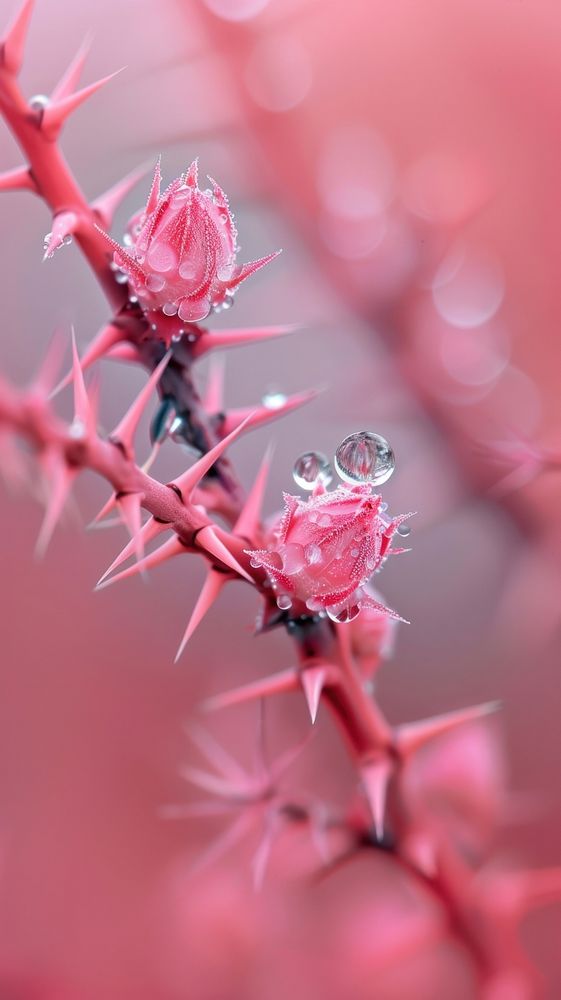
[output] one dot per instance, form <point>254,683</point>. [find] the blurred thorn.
<point>212,587</point>
<point>413,735</point>
<point>54,115</point>
<point>284,681</point>
<point>210,341</point>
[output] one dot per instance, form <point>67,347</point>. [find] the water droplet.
<point>39,102</point>
<point>354,553</point>
<point>343,613</point>
<point>293,560</point>
<point>170,309</point>
<point>192,310</point>
<point>121,278</point>
<point>404,530</point>
<point>324,520</point>
<point>188,269</point>
<point>310,469</point>
<point>254,563</point>
<point>161,257</point>
<point>128,240</point>
<point>273,399</point>
<point>313,554</point>
<point>155,282</point>
<point>364,457</point>
<point>225,272</point>
<point>207,192</point>
<point>284,602</point>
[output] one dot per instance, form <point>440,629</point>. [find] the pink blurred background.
<point>406,157</point>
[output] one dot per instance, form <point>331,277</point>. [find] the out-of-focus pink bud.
<point>372,637</point>
<point>181,250</point>
<point>322,551</point>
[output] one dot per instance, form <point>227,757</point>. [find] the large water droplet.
<point>364,457</point>
<point>310,469</point>
<point>404,530</point>
<point>343,613</point>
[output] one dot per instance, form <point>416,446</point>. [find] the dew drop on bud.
<point>155,282</point>
<point>191,310</point>
<point>311,469</point>
<point>345,614</point>
<point>121,278</point>
<point>284,602</point>
<point>273,399</point>
<point>169,309</point>
<point>293,559</point>
<point>39,102</point>
<point>404,530</point>
<point>364,457</point>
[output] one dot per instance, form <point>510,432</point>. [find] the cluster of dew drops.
<point>362,457</point>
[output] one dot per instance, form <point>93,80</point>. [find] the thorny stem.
<point>367,733</point>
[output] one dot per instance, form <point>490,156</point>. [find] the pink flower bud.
<point>181,255</point>
<point>322,551</point>
<point>372,637</point>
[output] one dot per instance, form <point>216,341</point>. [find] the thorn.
<point>43,382</point>
<point>125,260</point>
<point>250,516</point>
<point>154,195</point>
<point>239,337</point>
<point>413,735</point>
<point>537,888</point>
<point>13,42</point>
<point>375,777</point>
<point>82,409</point>
<point>149,530</point>
<point>107,203</point>
<point>190,479</point>
<point>126,429</point>
<point>101,345</point>
<point>172,547</point>
<point>260,415</point>
<point>124,352</point>
<point>262,854</point>
<point>213,400</point>
<point>211,589</point>
<point>130,510</point>
<point>284,681</point>
<point>208,540</point>
<point>64,224</point>
<point>61,478</point>
<point>71,78</point>
<point>246,270</point>
<point>312,680</point>
<point>108,506</point>
<point>55,114</point>
<point>19,179</point>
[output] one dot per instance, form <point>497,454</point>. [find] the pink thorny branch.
<point>179,264</point>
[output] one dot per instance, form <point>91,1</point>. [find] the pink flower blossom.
<point>182,249</point>
<point>322,551</point>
